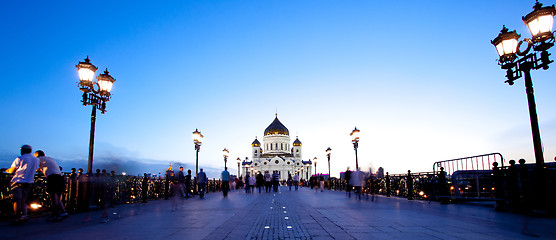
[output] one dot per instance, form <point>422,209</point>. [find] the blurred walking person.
<point>188,183</point>
<point>181,183</point>
<point>252,182</point>
<point>296,181</point>
<point>267,181</point>
<point>202,181</point>
<point>225,176</point>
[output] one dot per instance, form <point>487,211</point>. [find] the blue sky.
<point>419,78</point>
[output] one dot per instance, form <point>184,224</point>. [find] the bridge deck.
<point>304,214</point>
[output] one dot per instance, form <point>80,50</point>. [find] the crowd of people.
<point>102,185</point>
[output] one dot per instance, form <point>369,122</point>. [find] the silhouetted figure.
<point>388,186</point>
<point>260,181</point>
<point>321,183</point>
<point>525,184</point>
<point>498,188</point>
<point>347,177</point>
<point>512,182</point>
<point>443,191</point>
<point>409,184</point>
<point>144,188</point>
<point>188,183</point>
<point>72,200</point>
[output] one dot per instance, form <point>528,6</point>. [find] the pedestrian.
<point>356,181</point>
<point>225,176</point>
<point>23,168</point>
<point>72,200</point>
<point>188,183</point>
<point>290,181</point>
<point>201,181</point>
<point>296,181</point>
<point>347,177</point>
<point>267,181</point>
<point>246,182</point>
<point>181,183</point>
<point>252,182</point>
<point>144,188</point>
<point>260,181</point>
<point>321,183</point>
<point>55,185</point>
<point>275,180</point>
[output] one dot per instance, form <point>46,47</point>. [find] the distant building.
<point>276,154</point>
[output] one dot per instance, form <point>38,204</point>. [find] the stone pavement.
<point>305,214</point>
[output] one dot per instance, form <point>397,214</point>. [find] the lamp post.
<point>197,140</point>
<point>519,63</point>
<point>328,152</point>
<point>225,152</point>
<point>355,140</point>
<point>95,94</point>
<point>315,160</point>
<point>238,162</point>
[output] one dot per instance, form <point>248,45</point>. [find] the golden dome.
<point>297,142</point>
<point>276,128</point>
<point>256,143</point>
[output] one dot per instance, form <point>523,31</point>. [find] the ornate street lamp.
<point>355,140</point>
<point>225,152</point>
<point>95,94</point>
<point>308,171</point>
<point>238,163</point>
<point>519,63</point>
<point>315,160</point>
<point>197,140</point>
<point>328,152</point>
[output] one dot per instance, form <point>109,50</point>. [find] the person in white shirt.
<point>55,185</point>
<point>23,168</point>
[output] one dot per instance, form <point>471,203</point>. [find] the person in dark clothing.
<point>144,188</point>
<point>188,183</point>
<point>276,180</point>
<point>348,184</point>
<point>260,181</point>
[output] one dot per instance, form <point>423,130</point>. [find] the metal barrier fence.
<point>468,178</point>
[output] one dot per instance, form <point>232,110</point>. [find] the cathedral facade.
<point>277,154</point>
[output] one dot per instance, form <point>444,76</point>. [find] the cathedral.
<point>276,154</point>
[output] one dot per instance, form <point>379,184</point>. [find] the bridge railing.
<point>83,193</point>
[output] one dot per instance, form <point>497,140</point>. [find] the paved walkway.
<point>305,214</point>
